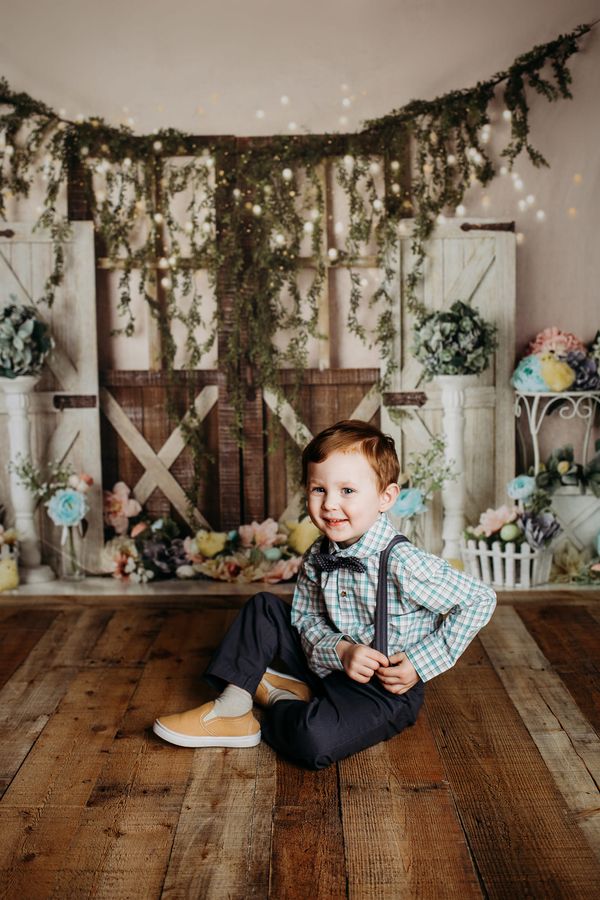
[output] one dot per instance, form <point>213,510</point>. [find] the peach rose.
<point>492,520</point>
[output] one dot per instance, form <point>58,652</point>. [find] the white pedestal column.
<point>454,492</point>
<point>17,391</point>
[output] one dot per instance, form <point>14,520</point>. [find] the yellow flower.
<point>9,574</point>
<point>302,535</point>
<point>210,543</point>
<point>563,467</point>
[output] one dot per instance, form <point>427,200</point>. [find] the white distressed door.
<point>473,262</point>
<point>65,413</point>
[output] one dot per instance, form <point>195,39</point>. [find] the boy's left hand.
<point>399,676</point>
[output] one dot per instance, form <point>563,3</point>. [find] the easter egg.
<point>510,532</point>
<point>272,554</point>
<point>528,377</point>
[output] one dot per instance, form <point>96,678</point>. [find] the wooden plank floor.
<point>494,793</point>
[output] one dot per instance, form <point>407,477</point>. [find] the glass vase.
<point>72,554</point>
<point>412,527</point>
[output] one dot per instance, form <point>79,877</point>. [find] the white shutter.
<point>476,265</point>
<point>65,411</point>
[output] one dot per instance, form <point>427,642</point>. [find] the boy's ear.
<point>388,497</point>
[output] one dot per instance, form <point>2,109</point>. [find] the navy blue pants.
<point>343,717</point>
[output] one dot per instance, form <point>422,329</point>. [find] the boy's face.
<point>344,499</point>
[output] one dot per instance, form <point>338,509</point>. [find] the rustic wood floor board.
<point>126,830</point>
<point>570,640</point>
<point>29,698</point>
<point>214,842</point>
<point>53,786</point>
<point>308,842</point>
<point>19,633</point>
<point>567,742</point>
<point>127,638</point>
<point>523,837</point>
<point>402,834</point>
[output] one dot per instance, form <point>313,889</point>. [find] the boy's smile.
<point>344,498</point>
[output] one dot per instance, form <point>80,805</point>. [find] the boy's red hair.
<point>353,434</point>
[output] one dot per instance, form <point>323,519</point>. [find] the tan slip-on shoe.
<point>190,729</point>
<point>284,683</point>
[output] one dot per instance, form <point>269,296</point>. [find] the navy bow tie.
<point>327,563</point>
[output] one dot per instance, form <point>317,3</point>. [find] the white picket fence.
<point>509,567</point>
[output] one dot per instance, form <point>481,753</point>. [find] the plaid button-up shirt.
<point>434,611</point>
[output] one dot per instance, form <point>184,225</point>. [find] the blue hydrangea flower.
<point>67,507</point>
<point>521,487</point>
<point>409,503</point>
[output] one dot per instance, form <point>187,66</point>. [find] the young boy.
<point>336,693</point>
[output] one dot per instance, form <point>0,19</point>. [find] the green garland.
<point>246,211</point>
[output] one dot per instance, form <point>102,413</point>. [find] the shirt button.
<point>342,593</point>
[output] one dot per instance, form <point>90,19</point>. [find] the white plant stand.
<point>17,392</point>
<point>581,405</point>
<point>452,389</point>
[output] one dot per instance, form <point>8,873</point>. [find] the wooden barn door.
<point>65,417</point>
<point>473,262</point>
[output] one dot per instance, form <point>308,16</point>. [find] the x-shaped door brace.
<point>157,465</point>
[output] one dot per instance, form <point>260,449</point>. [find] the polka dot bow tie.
<point>327,563</point>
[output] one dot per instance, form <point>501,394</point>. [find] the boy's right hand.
<point>359,661</point>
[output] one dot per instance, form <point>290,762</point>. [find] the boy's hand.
<point>400,676</point>
<point>359,661</point>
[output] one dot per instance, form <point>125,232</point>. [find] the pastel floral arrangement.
<point>455,341</point>
<point>426,473</point>
<point>559,361</point>
<point>560,469</point>
<point>61,490</point>
<point>139,551</point>
<point>530,519</point>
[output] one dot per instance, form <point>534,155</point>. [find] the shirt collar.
<point>372,541</point>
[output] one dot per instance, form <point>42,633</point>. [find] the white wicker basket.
<point>510,567</point>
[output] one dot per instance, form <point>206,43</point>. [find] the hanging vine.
<point>170,204</point>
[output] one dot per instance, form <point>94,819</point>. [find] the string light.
<point>287,174</point>
<point>461,210</point>
<point>332,253</point>
<point>339,228</point>
<point>520,237</point>
<point>279,239</point>
<point>309,227</point>
<point>166,283</point>
<point>349,161</point>
<point>377,205</point>
<point>284,100</point>
<point>540,215</point>
<point>395,188</point>
<point>292,126</point>
<point>257,209</point>
<point>530,199</point>
<point>346,102</point>
<point>507,115</point>
<point>343,120</point>
<point>394,165</point>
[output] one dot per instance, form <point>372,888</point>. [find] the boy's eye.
<point>347,490</point>
<point>316,490</point>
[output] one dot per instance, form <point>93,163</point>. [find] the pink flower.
<point>492,520</point>
<point>81,482</point>
<point>119,508</point>
<point>595,567</point>
<point>283,570</point>
<point>553,340</point>
<point>261,535</point>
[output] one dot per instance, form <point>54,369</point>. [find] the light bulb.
<point>157,146</point>
<point>394,165</point>
<point>332,253</point>
<point>188,227</point>
<point>518,184</point>
<point>374,168</point>
<point>520,237</point>
<point>284,100</point>
<point>503,170</point>
<point>287,174</point>
<point>172,260</point>
<point>339,227</point>
<point>530,199</point>
<point>441,219</point>
<point>346,102</point>
<point>257,209</point>
<point>236,193</point>
<point>158,218</point>
<point>540,215</point>
<point>364,282</point>
<point>309,227</point>
<point>166,283</point>
<point>522,204</point>
<point>349,161</point>
<point>343,120</point>
<point>451,159</point>
<point>460,210</point>
<point>206,227</point>
<point>315,214</point>
<point>279,239</point>
<point>507,115</point>
<point>395,188</point>
<point>292,126</point>
<point>163,263</point>
<point>377,204</point>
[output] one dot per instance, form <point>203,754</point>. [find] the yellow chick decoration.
<point>558,375</point>
<point>302,534</point>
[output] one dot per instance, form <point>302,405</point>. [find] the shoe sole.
<point>190,740</point>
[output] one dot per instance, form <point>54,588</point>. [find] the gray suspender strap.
<point>381,603</point>
<point>380,641</point>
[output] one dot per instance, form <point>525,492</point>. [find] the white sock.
<point>234,701</point>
